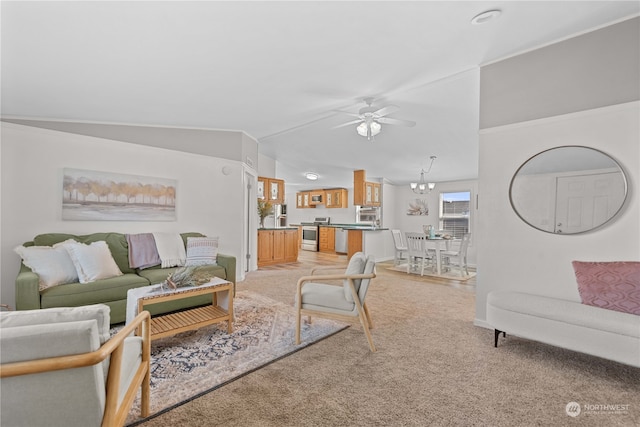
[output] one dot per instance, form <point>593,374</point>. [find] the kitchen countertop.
<point>278,228</point>
<point>362,227</point>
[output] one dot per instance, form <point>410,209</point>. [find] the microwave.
<point>316,199</point>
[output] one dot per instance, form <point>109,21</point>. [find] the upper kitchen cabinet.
<point>365,193</point>
<point>303,200</point>
<point>336,198</point>
<point>271,189</point>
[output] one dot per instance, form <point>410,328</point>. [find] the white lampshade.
<point>362,128</point>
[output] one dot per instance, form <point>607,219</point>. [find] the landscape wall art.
<point>104,196</point>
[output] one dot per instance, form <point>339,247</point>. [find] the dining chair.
<point>419,257</point>
<point>401,247</point>
<point>459,257</point>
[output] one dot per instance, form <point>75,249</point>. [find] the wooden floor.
<point>308,259</point>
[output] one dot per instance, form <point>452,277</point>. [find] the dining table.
<point>438,244</point>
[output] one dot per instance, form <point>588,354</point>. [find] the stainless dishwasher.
<point>341,240</point>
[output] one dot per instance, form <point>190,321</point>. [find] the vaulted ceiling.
<point>280,71</point>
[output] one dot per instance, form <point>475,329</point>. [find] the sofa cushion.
<point>159,275</point>
<point>116,241</point>
<point>611,285</point>
<point>202,250</point>
<point>100,291</point>
<point>52,264</point>
<point>93,262</point>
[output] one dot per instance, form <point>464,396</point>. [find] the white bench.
<point>572,325</point>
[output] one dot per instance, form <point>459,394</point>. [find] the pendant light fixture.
<point>422,187</point>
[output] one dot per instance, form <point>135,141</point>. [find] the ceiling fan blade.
<point>390,121</point>
<point>389,109</point>
<point>353,122</point>
<point>348,113</point>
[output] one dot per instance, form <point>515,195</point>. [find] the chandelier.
<point>422,186</point>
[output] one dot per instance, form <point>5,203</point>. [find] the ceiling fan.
<point>370,118</point>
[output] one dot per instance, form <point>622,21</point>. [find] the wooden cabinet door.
<point>278,246</point>
<point>265,246</point>
<point>354,242</point>
<point>359,187</point>
<point>299,201</point>
<point>262,187</point>
<point>328,199</point>
<point>377,192</point>
<point>276,190</point>
<point>291,245</point>
<point>368,193</point>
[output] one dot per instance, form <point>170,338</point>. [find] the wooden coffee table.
<point>220,310</point>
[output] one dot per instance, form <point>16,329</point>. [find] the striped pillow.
<point>202,250</point>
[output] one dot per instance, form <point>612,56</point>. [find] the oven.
<point>310,234</point>
<point>310,238</point>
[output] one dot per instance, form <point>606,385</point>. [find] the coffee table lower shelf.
<point>195,318</point>
<point>164,325</point>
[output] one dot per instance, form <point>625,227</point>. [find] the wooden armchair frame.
<point>114,414</point>
<point>363,312</point>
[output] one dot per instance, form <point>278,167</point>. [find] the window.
<point>454,212</point>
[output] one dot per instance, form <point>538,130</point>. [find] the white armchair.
<point>59,366</point>
<point>341,302</point>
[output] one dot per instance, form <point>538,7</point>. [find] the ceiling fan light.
<point>375,128</point>
<point>362,129</point>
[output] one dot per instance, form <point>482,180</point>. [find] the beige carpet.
<point>433,367</point>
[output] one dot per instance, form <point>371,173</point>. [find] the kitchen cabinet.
<point>271,189</point>
<point>365,193</point>
<point>277,246</point>
<point>354,242</point>
<point>336,198</point>
<point>326,239</point>
<point>303,200</point>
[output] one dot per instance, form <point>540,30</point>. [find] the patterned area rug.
<point>453,274</point>
<point>193,363</point>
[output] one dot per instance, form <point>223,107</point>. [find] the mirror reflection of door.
<point>584,202</point>
<point>568,190</point>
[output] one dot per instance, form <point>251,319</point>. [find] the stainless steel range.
<point>310,233</point>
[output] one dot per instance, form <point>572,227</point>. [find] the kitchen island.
<point>277,245</point>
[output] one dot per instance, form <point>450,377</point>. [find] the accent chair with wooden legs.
<point>332,300</point>
<point>61,367</point>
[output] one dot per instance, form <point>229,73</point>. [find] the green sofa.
<point>112,291</point>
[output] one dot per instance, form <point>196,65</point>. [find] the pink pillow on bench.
<point>611,285</point>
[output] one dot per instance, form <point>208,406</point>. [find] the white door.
<point>587,201</point>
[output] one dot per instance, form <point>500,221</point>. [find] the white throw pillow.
<point>51,263</point>
<point>202,250</point>
<point>93,262</point>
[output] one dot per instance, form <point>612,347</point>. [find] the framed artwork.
<point>418,207</point>
<point>104,196</point>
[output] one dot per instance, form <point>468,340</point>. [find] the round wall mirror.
<point>568,190</point>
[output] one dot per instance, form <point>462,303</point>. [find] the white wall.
<point>403,196</point>
<point>515,256</point>
<point>208,201</point>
